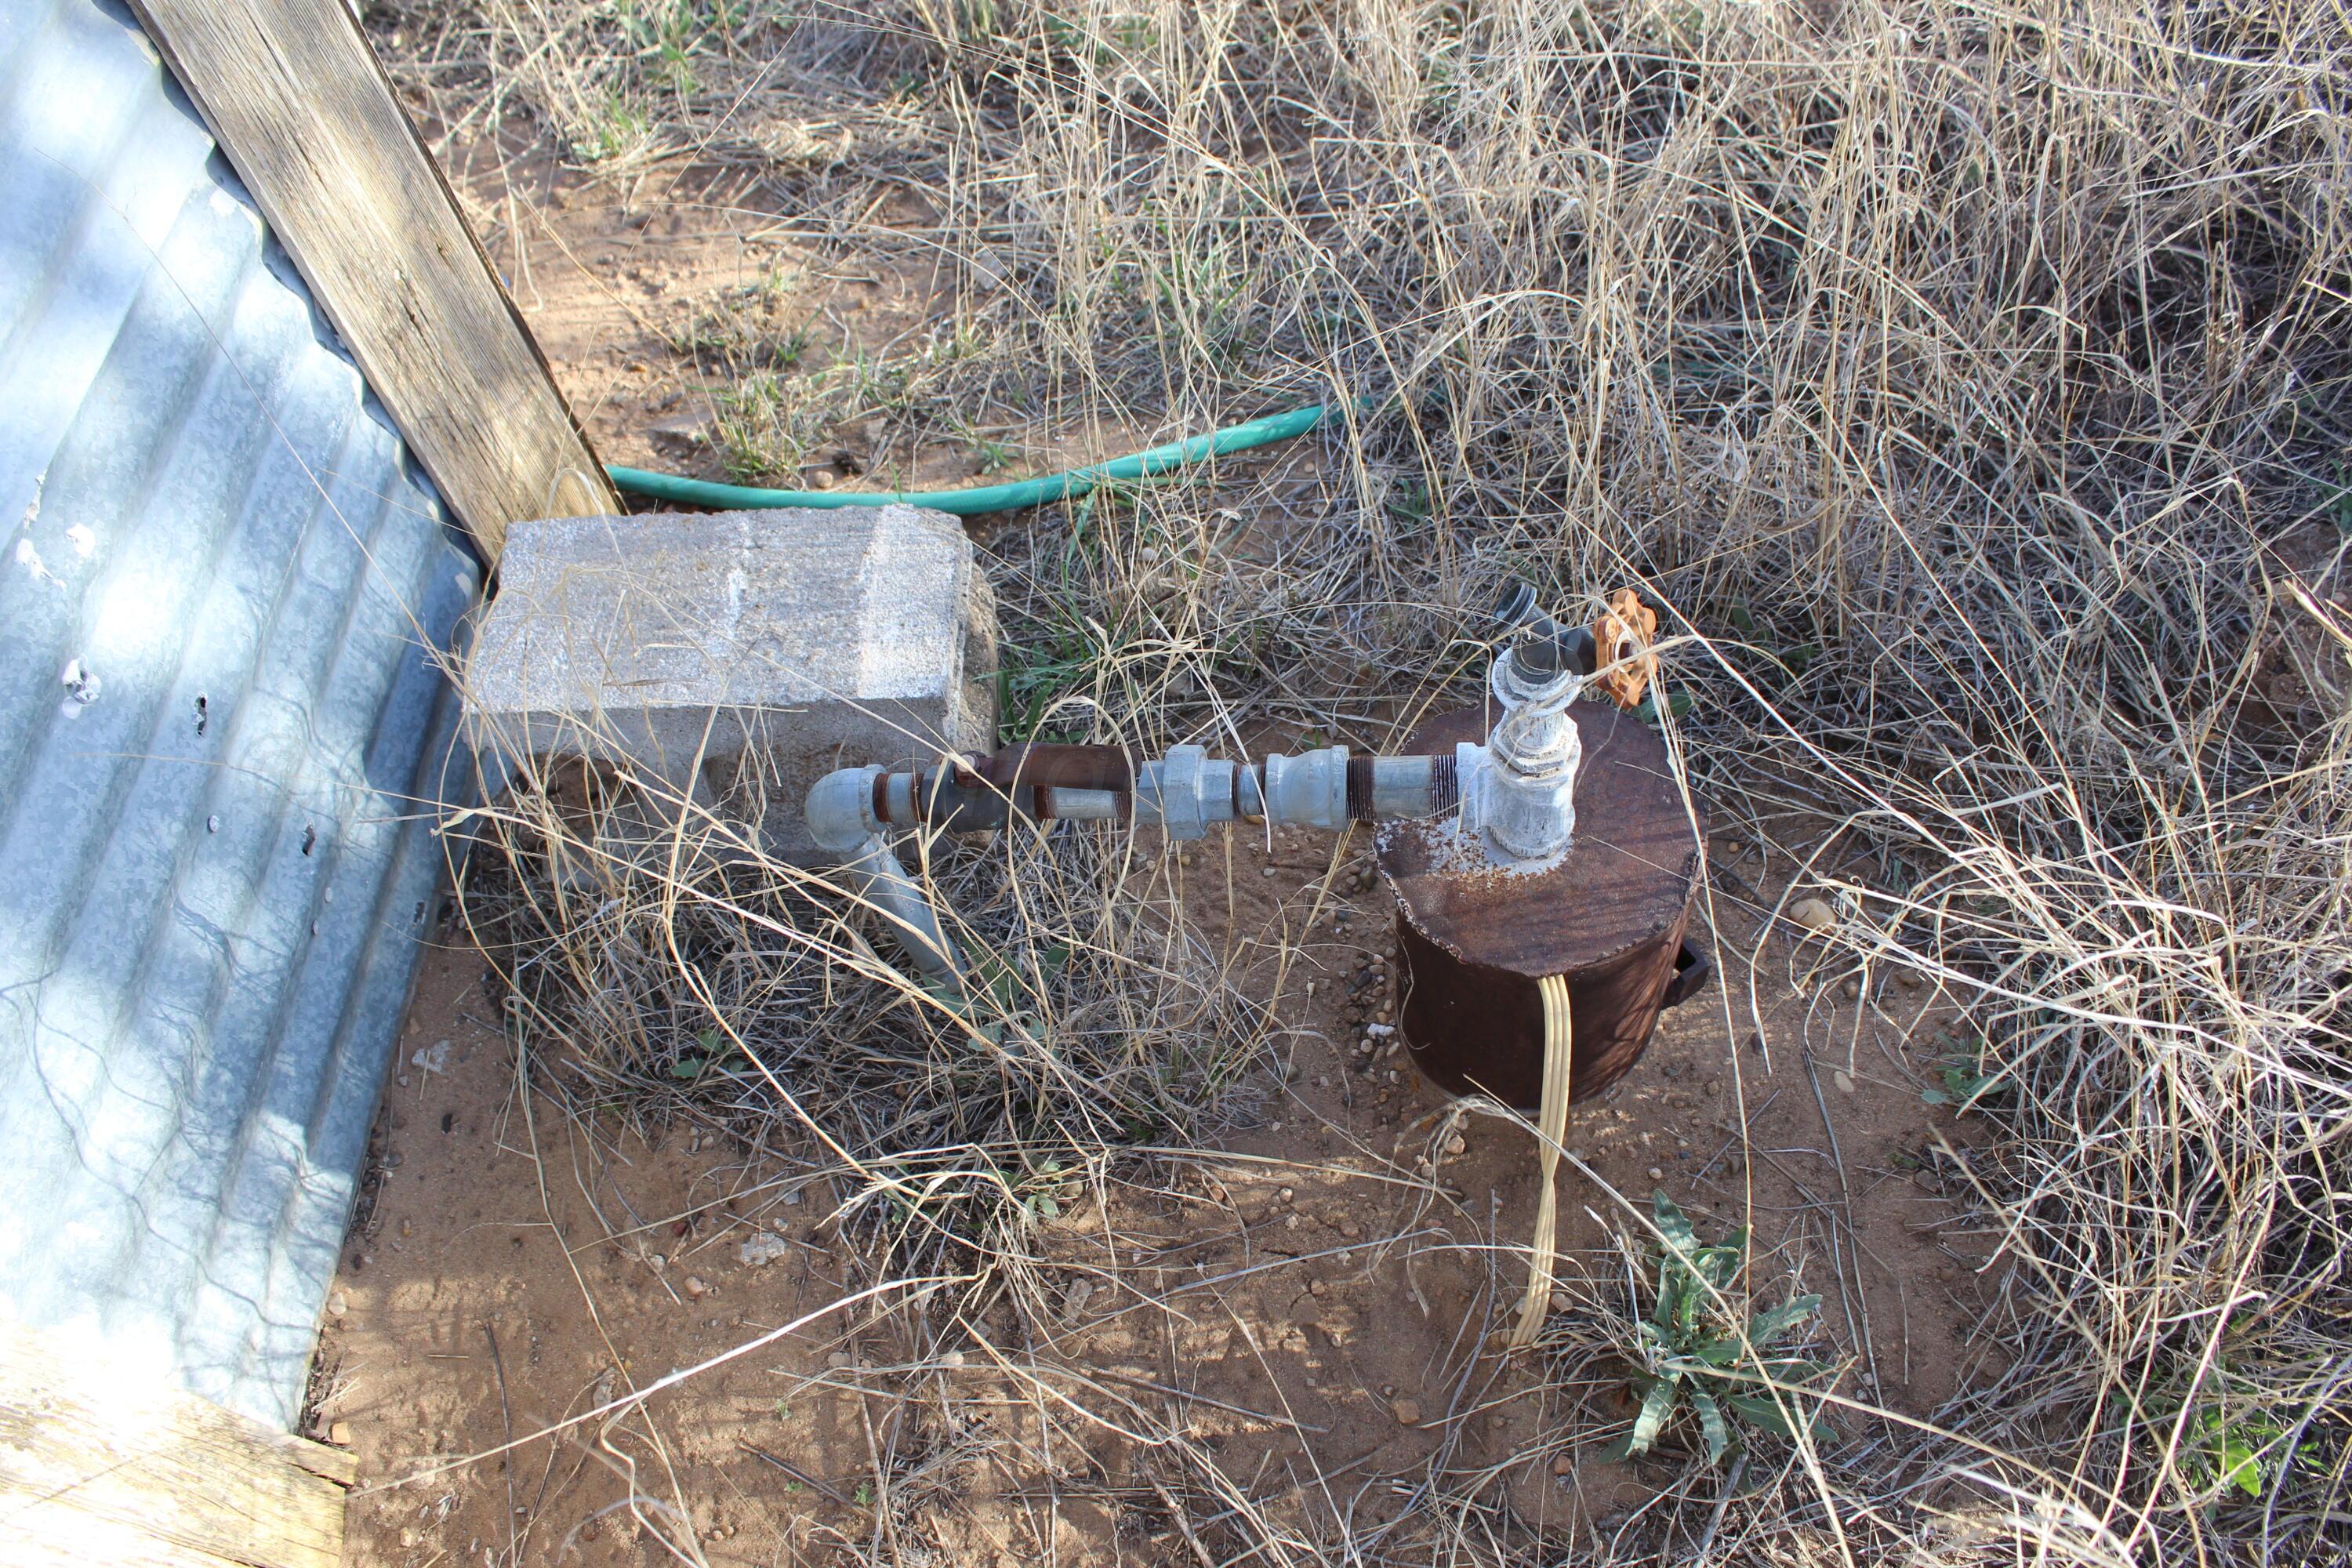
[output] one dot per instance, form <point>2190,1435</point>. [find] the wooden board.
<point>306,116</point>
<point>120,1471</point>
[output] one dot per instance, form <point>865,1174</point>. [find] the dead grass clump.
<point>666,966</point>
<point>1972,387</point>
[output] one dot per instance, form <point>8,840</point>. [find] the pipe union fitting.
<point>1183,795</point>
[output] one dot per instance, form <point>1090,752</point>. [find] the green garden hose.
<point>990,497</point>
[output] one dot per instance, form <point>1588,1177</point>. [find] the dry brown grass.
<point>1970,383</point>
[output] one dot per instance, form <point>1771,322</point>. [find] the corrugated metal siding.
<point>219,712</point>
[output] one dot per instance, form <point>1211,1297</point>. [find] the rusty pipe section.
<point>1183,792</point>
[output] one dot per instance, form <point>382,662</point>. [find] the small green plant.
<point>992,456</point>
<point>1060,1186</point>
<point>1061,653</point>
<point>613,130</point>
<point>2244,1453</point>
<point>711,1050</point>
<point>1677,703</point>
<point>2230,1440</point>
<point>1964,1081</point>
<point>1694,1354</point>
<point>996,995</point>
<point>765,425</point>
<point>739,331</point>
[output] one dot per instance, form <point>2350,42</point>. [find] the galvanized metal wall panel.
<point>222,710</point>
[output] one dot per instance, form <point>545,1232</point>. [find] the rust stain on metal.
<point>1057,767</point>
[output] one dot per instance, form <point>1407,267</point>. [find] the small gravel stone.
<point>694,1287</point>
<point>1266,871</point>
<point>337,1305</point>
<point>339,1433</point>
<point>760,1248</point>
<point>1813,914</point>
<point>839,1360</point>
<point>1843,1080</point>
<point>1657,1174</point>
<point>951,1359</point>
<point>1407,1412</point>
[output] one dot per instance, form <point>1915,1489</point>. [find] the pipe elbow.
<point>841,810</point>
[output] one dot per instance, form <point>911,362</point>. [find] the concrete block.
<point>738,654</point>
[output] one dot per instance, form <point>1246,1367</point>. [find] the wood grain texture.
<point>306,116</point>
<point>130,1473</point>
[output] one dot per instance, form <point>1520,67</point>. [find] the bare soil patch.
<point>1300,1312</point>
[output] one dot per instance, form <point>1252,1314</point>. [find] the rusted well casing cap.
<point>1475,939</point>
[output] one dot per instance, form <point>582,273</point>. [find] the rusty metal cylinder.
<point>1473,939</point>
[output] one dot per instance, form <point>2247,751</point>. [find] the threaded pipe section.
<point>1445,785</point>
<point>1359,789</point>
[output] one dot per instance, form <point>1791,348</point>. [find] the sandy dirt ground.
<point>1306,1304</point>
<point>1301,1303</point>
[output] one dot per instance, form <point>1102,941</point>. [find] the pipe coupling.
<point>1310,790</point>
<point>841,810</point>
